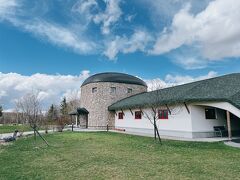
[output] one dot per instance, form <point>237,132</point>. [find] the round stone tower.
<point>100,91</point>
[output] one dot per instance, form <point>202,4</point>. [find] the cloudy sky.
<point>52,46</point>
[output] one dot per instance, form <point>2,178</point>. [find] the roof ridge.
<point>212,78</point>
<point>202,90</point>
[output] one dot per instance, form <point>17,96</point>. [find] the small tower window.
<point>113,90</point>
<point>129,90</point>
<point>94,90</point>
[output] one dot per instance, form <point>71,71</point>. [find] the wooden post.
<point>42,137</point>
<point>122,112</point>
<point>76,121</point>
<point>87,122</point>
<point>229,126</point>
<point>168,109</point>
<point>131,111</point>
<point>187,108</point>
<point>34,128</point>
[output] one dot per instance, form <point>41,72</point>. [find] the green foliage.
<point>64,107</point>
<point>64,117</point>
<point>1,111</point>
<point>109,155</point>
<point>52,114</point>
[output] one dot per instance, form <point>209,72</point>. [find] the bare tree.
<point>19,115</point>
<point>156,105</point>
<point>152,113</point>
<point>73,100</point>
<point>1,111</point>
<point>29,105</point>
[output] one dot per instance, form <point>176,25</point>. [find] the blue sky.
<point>174,41</point>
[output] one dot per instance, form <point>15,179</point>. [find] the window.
<point>138,115</point>
<point>129,90</point>
<point>163,114</point>
<point>94,90</point>
<point>113,90</point>
<point>120,115</point>
<point>210,113</point>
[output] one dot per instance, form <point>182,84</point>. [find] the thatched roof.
<point>224,88</point>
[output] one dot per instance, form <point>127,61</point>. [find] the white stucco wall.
<point>198,120</point>
<point>201,124</point>
<point>178,124</point>
<point>181,123</point>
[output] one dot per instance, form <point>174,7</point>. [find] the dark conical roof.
<point>114,77</point>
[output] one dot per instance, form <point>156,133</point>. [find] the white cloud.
<point>3,93</point>
<point>7,7</point>
<point>137,42</point>
<point>60,36</point>
<point>190,62</point>
<point>173,80</point>
<point>104,17</point>
<point>72,94</point>
<point>110,16</point>
<point>51,87</point>
<point>84,8</point>
<point>63,36</point>
<point>178,79</point>
<point>216,30</point>
<point>211,27</point>
<point>167,9</point>
<point>130,18</point>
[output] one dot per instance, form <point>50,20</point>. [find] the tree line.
<point>28,110</point>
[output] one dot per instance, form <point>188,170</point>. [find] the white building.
<point>206,108</point>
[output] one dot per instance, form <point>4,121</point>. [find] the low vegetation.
<point>116,156</point>
<point>12,128</point>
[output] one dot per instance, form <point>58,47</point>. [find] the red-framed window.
<point>120,115</point>
<point>162,114</point>
<point>138,115</point>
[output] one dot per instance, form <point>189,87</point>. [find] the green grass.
<point>12,128</point>
<point>116,156</point>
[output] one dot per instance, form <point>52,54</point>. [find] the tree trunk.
<point>159,138</point>
<point>155,135</point>
<point>157,132</point>
<point>34,129</point>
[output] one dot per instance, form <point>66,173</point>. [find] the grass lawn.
<point>12,128</point>
<point>116,156</point>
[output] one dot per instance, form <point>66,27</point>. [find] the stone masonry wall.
<point>97,103</point>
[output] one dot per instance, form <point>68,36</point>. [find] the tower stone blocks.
<point>96,97</point>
